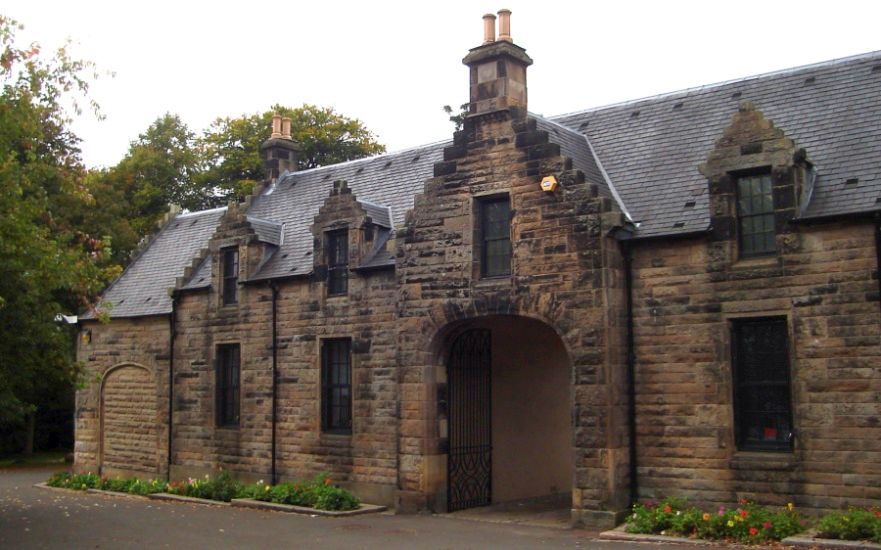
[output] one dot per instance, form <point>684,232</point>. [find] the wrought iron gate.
<point>469,465</point>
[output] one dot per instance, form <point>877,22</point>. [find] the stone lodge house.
<point>676,295</point>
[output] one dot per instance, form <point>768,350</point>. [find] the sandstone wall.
<point>128,358</point>
<point>825,284</point>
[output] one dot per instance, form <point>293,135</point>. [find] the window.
<point>336,386</point>
<point>762,405</point>
<point>495,237</point>
<point>230,276</point>
<point>228,385</point>
<point>338,262</point>
<point>755,215</point>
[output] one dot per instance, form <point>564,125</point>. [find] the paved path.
<point>40,518</point>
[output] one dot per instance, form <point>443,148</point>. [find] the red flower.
<point>877,514</point>
<point>327,481</point>
<point>667,509</point>
<point>744,514</point>
<point>753,531</point>
<point>767,525</point>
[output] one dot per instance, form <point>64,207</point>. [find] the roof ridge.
<point>200,212</point>
<point>365,159</point>
<point>688,91</point>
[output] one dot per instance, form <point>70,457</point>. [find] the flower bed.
<point>319,493</point>
<point>748,523</point>
<point>855,524</point>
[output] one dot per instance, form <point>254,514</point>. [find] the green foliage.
<point>317,493</point>
<point>748,523</point>
<point>232,163</point>
<point>48,265</point>
<point>220,487</point>
<point>458,119</point>
<point>855,524</point>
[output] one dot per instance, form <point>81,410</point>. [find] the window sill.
<point>499,281</point>
<point>763,460</point>
<point>756,262</point>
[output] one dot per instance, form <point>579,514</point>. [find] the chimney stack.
<point>497,69</point>
<point>280,151</point>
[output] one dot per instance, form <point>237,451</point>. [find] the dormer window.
<point>755,215</point>
<point>337,262</point>
<point>230,281</point>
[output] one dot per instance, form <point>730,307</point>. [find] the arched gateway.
<point>507,412</point>
<point>128,421</point>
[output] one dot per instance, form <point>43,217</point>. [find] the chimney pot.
<point>286,128</point>
<point>276,127</point>
<point>505,25</point>
<point>489,28</point>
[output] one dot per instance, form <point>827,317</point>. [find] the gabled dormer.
<point>349,236</point>
<point>759,181</point>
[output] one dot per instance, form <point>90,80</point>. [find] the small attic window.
<point>148,299</point>
<point>584,125</point>
<point>415,158</point>
<point>677,106</point>
<point>634,114</point>
<point>359,170</point>
<point>679,224</point>
<point>852,181</point>
<point>194,222</point>
<point>387,164</point>
<point>327,175</point>
<point>810,80</point>
<point>689,204</point>
<point>736,95</point>
<point>877,201</point>
<point>120,302</point>
<point>876,69</point>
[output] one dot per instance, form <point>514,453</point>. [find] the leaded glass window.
<point>337,262</point>
<point>230,276</point>
<point>336,386</point>
<point>755,215</point>
<point>763,408</point>
<point>228,372</point>
<point>495,217</point>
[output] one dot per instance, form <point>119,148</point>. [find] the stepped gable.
<point>651,148</point>
<point>383,183</point>
<point>142,289</point>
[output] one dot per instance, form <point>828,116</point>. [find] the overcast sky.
<point>394,65</point>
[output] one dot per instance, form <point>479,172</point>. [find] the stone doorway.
<point>513,410</point>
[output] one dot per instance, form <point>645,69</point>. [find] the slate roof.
<point>142,289</point>
<point>651,148</point>
<point>644,154</point>
<point>383,183</point>
<point>267,231</point>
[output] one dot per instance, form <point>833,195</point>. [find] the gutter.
<point>626,254</point>
<point>172,329</point>
<point>274,286</point>
<point>878,251</point>
<point>631,373</point>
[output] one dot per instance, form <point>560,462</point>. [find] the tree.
<point>232,146</point>
<point>47,267</point>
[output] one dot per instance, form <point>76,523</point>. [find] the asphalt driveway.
<point>31,517</point>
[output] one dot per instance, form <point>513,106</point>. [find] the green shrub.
<point>318,493</point>
<point>749,523</point>
<point>855,524</point>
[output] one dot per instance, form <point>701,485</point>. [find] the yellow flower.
<point>730,523</point>
<point>706,516</point>
<point>790,506</point>
<point>267,488</point>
